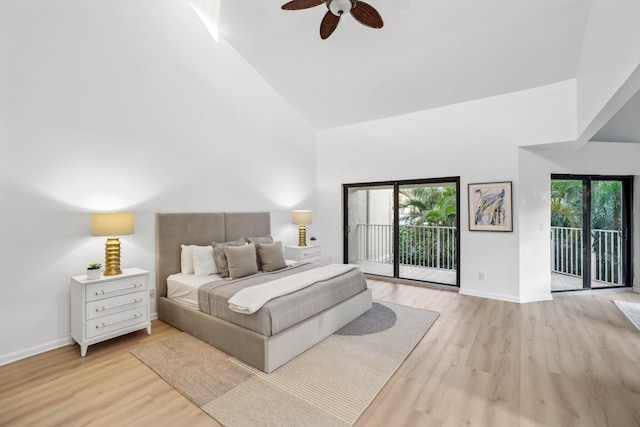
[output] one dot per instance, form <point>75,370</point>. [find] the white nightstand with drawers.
<point>302,253</point>
<point>108,307</point>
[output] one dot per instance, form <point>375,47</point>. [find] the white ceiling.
<point>430,53</point>
<point>624,126</point>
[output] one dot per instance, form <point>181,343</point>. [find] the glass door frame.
<point>627,227</point>
<point>396,220</point>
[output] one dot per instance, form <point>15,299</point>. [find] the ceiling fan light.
<point>338,7</point>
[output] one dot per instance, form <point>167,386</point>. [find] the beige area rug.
<point>330,384</point>
<point>631,310</point>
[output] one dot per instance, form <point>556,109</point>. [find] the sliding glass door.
<point>404,229</point>
<point>369,231</point>
<point>590,232</point>
<point>428,244</point>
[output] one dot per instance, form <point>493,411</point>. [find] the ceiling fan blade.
<point>301,4</point>
<point>328,24</point>
<point>365,14</point>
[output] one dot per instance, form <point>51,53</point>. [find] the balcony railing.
<point>419,246</point>
<point>435,247</point>
<point>567,247</point>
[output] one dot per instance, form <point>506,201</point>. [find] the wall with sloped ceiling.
<point>477,141</point>
<point>608,71</point>
<point>125,106</point>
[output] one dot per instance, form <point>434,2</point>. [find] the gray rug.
<point>330,384</point>
<point>378,319</point>
<point>631,310</point>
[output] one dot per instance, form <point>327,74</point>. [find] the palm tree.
<point>566,203</point>
<point>606,202</point>
<point>426,207</point>
<point>606,205</point>
<point>429,206</point>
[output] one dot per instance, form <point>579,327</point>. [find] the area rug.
<point>631,310</point>
<point>330,384</point>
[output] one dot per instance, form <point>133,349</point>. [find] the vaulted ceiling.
<point>430,53</point>
<point>624,126</point>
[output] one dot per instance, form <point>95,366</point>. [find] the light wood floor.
<point>574,361</point>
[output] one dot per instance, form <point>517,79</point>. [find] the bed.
<point>263,351</point>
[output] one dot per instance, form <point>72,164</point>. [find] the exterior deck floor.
<point>423,274</point>
<point>559,282</point>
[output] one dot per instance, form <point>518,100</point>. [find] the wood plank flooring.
<point>573,361</point>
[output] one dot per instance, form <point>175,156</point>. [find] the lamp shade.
<point>301,217</point>
<point>112,224</point>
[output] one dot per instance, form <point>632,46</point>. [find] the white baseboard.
<point>509,298</point>
<point>489,295</point>
<point>42,348</point>
<point>32,351</point>
<point>536,298</point>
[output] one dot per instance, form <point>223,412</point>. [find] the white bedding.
<point>183,288</point>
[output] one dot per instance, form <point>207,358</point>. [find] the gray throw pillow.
<point>271,256</point>
<point>221,258</point>
<point>241,260</point>
<point>255,241</point>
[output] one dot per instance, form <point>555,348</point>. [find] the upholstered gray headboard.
<point>175,229</point>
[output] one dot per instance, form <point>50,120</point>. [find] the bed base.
<point>259,351</point>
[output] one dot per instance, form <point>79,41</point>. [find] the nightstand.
<point>302,253</point>
<point>108,307</point>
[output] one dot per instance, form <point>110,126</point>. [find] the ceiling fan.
<point>361,11</point>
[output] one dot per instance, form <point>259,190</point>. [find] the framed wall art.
<point>490,207</point>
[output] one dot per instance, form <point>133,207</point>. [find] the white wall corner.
<point>490,295</point>
<point>536,298</point>
<point>209,13</point>
<point>508,298</point>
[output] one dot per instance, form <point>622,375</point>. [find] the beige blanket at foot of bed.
<point>249,300</point>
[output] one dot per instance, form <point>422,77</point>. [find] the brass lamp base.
<point>302,235</point>
<point>112,257</point>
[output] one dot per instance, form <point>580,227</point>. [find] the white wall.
<point>125,106</point>
<point>477,141</point>
<point>610,55</point>
<point>534,276</point>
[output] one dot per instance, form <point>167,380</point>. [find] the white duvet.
<point>251,299</point>
<point>183,287</point>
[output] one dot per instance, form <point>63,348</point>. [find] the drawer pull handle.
<point>108,307</point>
<point>108,291</point>
<point>102,325</point>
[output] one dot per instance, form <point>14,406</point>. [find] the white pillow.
<point>203,262</point>
<point>186,260</point>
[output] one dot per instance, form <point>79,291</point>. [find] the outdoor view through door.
<point>404,229</point>
<point>590,232</point>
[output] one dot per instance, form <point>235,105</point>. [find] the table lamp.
<point>112,225</point>
<point>301,218</point>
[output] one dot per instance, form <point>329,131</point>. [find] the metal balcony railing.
<point>419,246</point>
<point>435,247</point>
<point>567,248</point>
